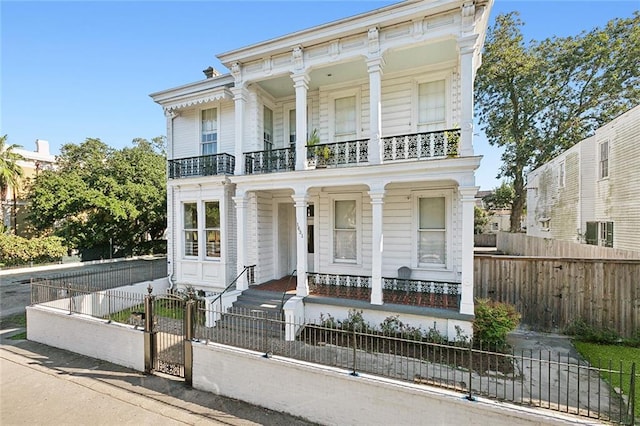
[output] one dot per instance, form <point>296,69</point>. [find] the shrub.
<point>587,333</point>
<point>493,321</point>
<point>15,250</point>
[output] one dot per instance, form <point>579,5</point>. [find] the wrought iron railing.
<point>345,286</point>
<point>204,165</point>
<point>540,378</point>
<point>269,161</point>
<point>434,294</point>
<point>438,144</point>
<point>339,153</point>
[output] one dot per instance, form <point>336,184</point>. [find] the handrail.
<point>246,268</point>
<point>286,288</point>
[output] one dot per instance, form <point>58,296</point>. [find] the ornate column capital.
<point>300,79</point>
<point>375,64</point>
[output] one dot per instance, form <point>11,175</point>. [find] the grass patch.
<point>17,320</point>
<point>19,336</point>
<point>596,353</point>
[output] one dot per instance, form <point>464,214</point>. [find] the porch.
<point>395,291</point>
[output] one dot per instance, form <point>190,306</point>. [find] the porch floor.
<point>287,283</point>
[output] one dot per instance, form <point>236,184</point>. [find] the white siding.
<point>227,128</point>
<point>185,134</point>
<point>396,106</point>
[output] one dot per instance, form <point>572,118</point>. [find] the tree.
<point>500,198</point>
<point>538,99</point>
<point>100,198</point>
<point>10,173</point>
<point>480,220</point>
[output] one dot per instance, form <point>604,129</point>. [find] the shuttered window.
<point>345,119</point>
<point>431,106</point>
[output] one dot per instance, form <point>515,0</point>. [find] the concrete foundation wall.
<point>117,343</point>
<point>332,396</point>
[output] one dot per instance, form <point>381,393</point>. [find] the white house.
<point>589,193</point>
<point>342,154</point>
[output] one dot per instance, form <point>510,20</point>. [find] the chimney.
<point>211,72</point>
<point>42,146</point>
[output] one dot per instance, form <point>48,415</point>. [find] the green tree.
<point>502,197</point>
<point>480,220</point>
<point>100,198</point>
<point>540,98</point>
<point>10,173</point>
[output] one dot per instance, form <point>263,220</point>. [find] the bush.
<point>584,332</point>
<point>493,321</point>
<point>15,250</point>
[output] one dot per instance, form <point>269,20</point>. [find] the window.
<point>431,106</point>
<point>432,232</point>
<point>346,119</point>
<point>561,175</point>
<point>591,233</point>
<point>604,159</point>
<point>268,129</point>
<point>292,127</point>
<point>544,224</point>
<point>190,220</point>
<point>345,231</point>
<point>209,126</point>
<point>212,228</point>
<point>606,234</point>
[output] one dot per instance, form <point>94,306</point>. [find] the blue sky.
<point>78,69</point>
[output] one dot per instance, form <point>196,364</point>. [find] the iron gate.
<point>169,334</point>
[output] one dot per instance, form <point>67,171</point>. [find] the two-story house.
<point>342,154</point>
<point>589,193</point>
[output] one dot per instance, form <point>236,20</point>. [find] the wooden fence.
<point>525,245</point>
<point>552,292</point>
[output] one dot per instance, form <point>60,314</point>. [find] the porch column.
<point>377,246</point>
<point>467,47</point>
<point>374,67</point>
<point>300,200</point>
<point>301,84</point>
<point>240,201</point>
<point>467,201</point>
<point>240,99</point>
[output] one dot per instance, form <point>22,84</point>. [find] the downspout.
<point>172,115</point>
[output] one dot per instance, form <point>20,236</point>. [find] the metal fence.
<point>119,275</point>
<point>112,305</point>
<point>530,378</point>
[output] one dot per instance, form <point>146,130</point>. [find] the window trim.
<point>346,197</point>
<point>415,99</point>
<point>601,162</point>
<point>205,229</point>
<point>332,97</point>
<point>185,230</point>
<point>201,144</point>
<point>415,230</point>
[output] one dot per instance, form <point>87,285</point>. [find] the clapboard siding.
<point>185,134</point>
<point>226,128</point>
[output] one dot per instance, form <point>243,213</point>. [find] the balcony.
<point>269,161</point>
<point>204,165</point>
<point>338,153</point>
<point>419,146</point>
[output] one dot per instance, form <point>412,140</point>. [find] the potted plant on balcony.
<point>312,149</point>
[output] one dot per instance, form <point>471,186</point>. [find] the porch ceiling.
<point>417,56</point>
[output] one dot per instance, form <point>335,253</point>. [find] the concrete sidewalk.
<point>44,385</point>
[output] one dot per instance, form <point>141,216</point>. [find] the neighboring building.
<point>342,154</point>
<point>499,219</point>
<point>14,209</point>
<point>589,193</point>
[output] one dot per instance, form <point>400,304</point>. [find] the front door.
<point>286,250</point>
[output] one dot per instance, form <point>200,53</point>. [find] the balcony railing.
<point>274,160</point>
<point>344,286</point>
<point>205,165</point>
<point>434,294</point>
<point>339,153</point>
<point>439,144</point>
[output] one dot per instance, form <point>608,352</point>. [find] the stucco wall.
<point>117,343</point>
<point>332,396</point>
